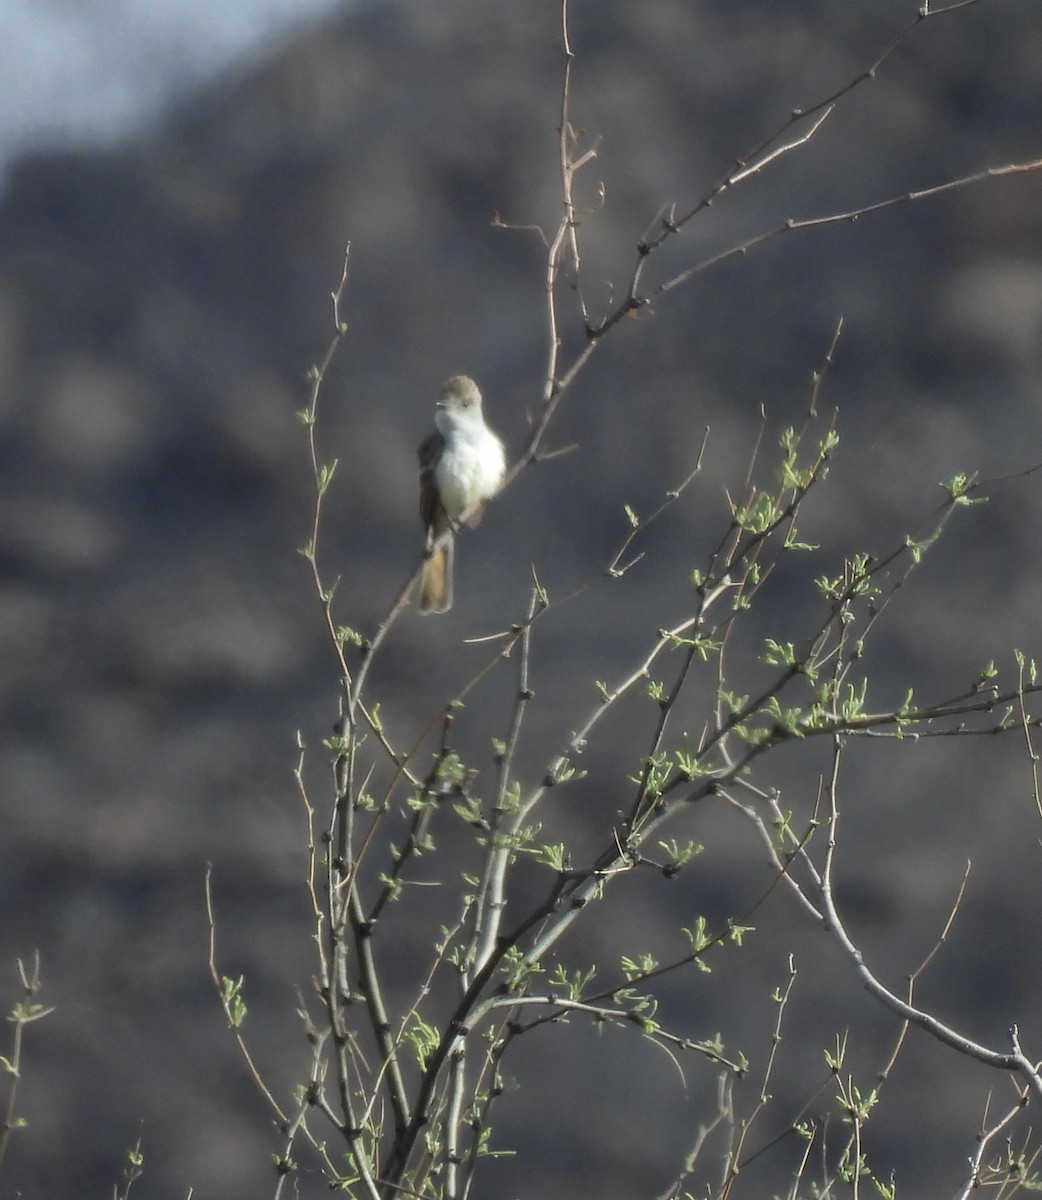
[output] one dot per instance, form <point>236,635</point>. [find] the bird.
<point>462,464</point>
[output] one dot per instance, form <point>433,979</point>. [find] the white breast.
<point>470,469</point>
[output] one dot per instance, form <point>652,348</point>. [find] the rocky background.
<point>161,646</point>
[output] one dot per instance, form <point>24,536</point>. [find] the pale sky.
<point>76,72</point>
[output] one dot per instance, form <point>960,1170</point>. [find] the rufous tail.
<point>436,582</point>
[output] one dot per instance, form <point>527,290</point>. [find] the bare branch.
<point>1013,1061</point>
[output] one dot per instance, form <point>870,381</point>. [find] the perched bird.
<point>461,465</point>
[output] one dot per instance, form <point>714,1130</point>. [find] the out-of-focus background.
<point>180,182</point>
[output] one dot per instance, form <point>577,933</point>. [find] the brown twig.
<point>763,154</point>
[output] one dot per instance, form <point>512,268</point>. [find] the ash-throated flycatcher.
<point>461,465</point>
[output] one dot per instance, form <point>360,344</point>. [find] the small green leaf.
<point>326,473</point>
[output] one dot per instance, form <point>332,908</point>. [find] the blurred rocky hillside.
<point>160,645</point>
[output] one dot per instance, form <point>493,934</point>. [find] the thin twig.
<point>1014,1060</point>
<point>25,1013</point>
<point>761,156</point>
<point>233,1022</point>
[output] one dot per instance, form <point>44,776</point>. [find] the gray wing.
<point>431,511</point>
